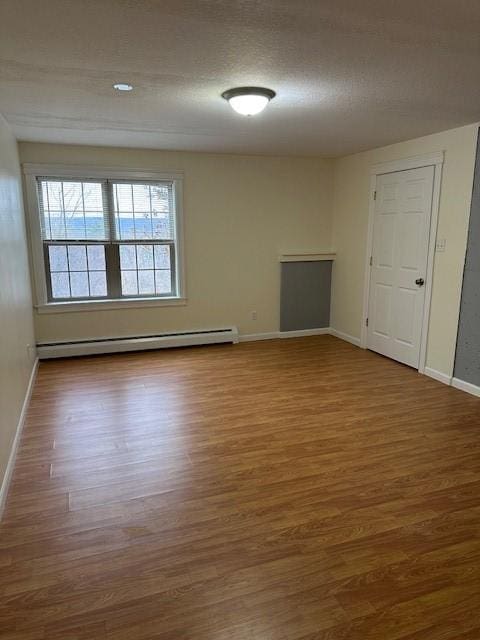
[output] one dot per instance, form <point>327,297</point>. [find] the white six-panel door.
<point>401,232</point>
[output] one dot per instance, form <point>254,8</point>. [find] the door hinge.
<point>371,260</point>
<point>366,322</point>
<point>374,195</point>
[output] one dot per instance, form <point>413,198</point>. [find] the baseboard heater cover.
<point>136,343</point>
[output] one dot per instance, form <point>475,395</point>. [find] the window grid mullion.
<point>112,251</point>
<point>88,270</point>
<point>46,257</point>
<point>48,206</point>
<point>151,208</point>
<point>112,261</point>
<point>136,269</point>
<point>133,213</point>
<point>173,271</point>
<point>109,209</point>
<point>83,209</point>
<point>154,255</point>
<point>68,267</point>
<point>64,214</point>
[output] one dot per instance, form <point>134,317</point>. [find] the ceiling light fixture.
<point>122,86</point>
<point>248,101</point>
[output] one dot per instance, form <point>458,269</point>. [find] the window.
<point>105,239</point>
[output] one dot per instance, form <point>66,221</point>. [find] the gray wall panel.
<point>305,295</point>
<point>467,360</point>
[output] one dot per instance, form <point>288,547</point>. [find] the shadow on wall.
<point>467,359</point>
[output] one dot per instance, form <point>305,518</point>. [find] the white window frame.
<point>42,304</point>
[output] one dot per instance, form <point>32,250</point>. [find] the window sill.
<point>107,305</point>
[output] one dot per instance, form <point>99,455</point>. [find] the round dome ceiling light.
<point>248,101</point>
<point>122,86</point>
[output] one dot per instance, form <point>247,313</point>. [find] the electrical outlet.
<point>441,244</point>
<point>254,315</point>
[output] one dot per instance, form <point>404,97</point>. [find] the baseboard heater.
<point>136,343</point>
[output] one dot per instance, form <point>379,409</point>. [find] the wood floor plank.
<point>297,489</point>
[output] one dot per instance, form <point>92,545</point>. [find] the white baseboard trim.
<point>275,335</point>
<point>344,336</point>
<point>438,375</point>
<point>301,333</point>
<point>16,440</point>
<point>466,386</point>
<point>252,337</point>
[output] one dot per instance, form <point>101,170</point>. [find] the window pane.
<point>98,283</point>
<point>129,283</point>
<point>127,256</point>
<point>58,258</point>
<point>52,208</point>
<point>123,203</point>
<point>162,256</point>
<point>72,276</point>
<point>146,284</point>
<point>77,258</point>
<point>95,226</point>
<point>144,211</point>
<point>143,281</point>
<point>163,281</point>
<point>96,258</point>
<point>60,285</point>
<point>72,210</point>
<point>145,256</point>
<point>162,211</point>
<point>92,197</point>
<point>79,284</point>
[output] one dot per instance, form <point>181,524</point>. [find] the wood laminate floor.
<point>296,489</point>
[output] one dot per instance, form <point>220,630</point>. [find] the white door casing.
<point>400,249</point>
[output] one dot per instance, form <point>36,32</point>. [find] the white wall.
<point>241,212</point>
<point>16,324</point>
<point>351,204</point>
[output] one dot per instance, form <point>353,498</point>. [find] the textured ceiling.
<point>349,74</point>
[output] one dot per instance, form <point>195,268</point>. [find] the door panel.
<point>386,238</point>
<point>409,241</point>
<point>405,328</point>
<point>399,257</point>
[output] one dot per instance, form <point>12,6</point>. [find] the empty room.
<point>240,320</point>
